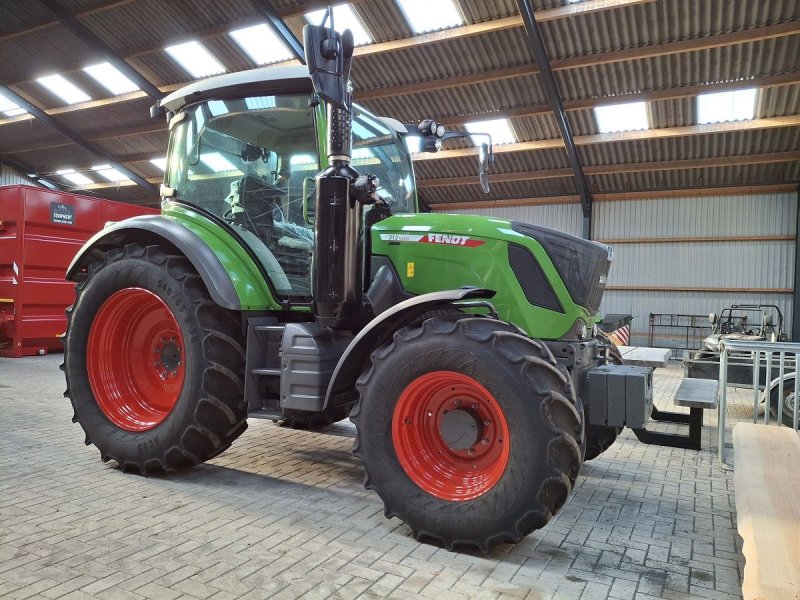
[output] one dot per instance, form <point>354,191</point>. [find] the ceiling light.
<point>738,105</point>
<point>343,18</point>
<point>424,15</point>
<point>66,90</point>
<point>161,163</point>
<point>9,108</point>
<point>76,178</point>
<point>216,162</point>
<point>629,116</point>
<point>197,61</point>
<point>110,173</point>
<point>261,44</point>
<point>111,78</point>
<point>499,129</point>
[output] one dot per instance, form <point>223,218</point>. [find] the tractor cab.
<point>249,158</point>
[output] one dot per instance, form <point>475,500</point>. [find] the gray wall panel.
<point>563,217</point>
<point>9,176</point>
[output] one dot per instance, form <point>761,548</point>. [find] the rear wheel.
<point>789,403</point>
<point>152,364</point>
<point>468,431</point>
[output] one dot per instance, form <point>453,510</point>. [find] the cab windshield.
<point>252,162</point>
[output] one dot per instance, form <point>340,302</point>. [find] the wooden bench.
<point>768,509</point>
<point>698,395</point>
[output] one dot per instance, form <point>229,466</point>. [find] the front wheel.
<point>153,366</point>
<point>468,431</point>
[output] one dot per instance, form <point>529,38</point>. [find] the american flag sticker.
<point>621,336</point>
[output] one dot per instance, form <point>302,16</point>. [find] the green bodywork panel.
<point>254,293</point>
<point>432,252</point>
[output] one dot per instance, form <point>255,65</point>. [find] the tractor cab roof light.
<point>111,78</point>
<point>737,105</point>
<point>195,59</point>
<point>628,116</point>
<point>424,15</point>
<point>64,89</point>
<point>261,44</point>
<point>343,18</point>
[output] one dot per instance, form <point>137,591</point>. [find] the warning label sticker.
<point>447,239</point>
<point>62,213</point>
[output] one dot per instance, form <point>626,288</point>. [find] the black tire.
<point>536,399</point>
<point>209,412</point>
<point>789,403</point>
<point>600,438</point>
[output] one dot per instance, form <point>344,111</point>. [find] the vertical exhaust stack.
<point>338,262</point>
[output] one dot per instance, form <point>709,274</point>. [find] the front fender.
<point>216,275</point>
<point>381,328</point>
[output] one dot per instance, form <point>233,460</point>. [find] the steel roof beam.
<point>281,30</point>
<point>545,72</point>
<point>76,138</point>
<point>88,37</point>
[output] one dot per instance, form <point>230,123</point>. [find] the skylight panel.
<point>629,116</point>
<point>111,78</point>
<point>260,102</point>
<point>261,44</point>
<point>216,162</point>
<point>76,178</point>
<point>64,89</point>
<point>109,173</point>
<point>195,59</point>
<point>304,160</point>
<point>9,108</point>
<point>343,18</point>
<point>738,105</point>
<point>499,129</point>
<point>160,163</point>
<point>424,15</point>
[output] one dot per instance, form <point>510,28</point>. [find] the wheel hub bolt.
<point>487,422</point>
<point>163,340</point>
<point>474,407</point>
<point>485,441</point>
<point>457,403</point>
<point>174,373</point>
<point>471,451</point>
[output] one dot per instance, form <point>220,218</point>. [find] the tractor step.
<point>263,366</point>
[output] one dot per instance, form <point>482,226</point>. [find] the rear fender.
<point>231,282</point>
<point>382,328</point>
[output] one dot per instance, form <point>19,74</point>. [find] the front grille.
<point>582,264</point>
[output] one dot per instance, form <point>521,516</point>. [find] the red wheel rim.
<point>135,359</point>
<point>450,436</point>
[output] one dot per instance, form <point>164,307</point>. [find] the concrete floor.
<point>283,514</point>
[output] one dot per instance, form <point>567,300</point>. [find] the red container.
<point>40,232</point>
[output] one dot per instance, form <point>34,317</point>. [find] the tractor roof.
<point>270,80</point>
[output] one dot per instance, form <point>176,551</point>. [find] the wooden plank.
<point>768,509</point>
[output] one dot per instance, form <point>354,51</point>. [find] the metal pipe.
<point>767,379</point>
<point>722,383</point>
<point>781,373</point>
<point>539,53</point>
<point>756,374</point>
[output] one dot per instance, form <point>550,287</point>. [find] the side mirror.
<point>485,160</point>
<point>712,318</point>
<point>309,196</point>
<point>328,56</point>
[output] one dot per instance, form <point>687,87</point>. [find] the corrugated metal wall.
<point>9,176</point>
<point>764,268</point>
<point>564,217</point>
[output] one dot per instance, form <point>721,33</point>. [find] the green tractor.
<point>290,276</point>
